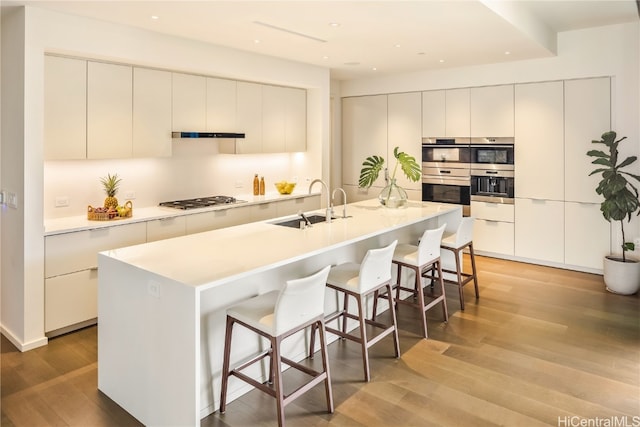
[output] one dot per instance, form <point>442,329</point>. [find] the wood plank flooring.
<point>542,346</point>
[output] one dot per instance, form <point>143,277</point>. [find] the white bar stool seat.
<point>455,244</point>
<point>373,274</point>
<point>277,315</point>
<point>424,260</point>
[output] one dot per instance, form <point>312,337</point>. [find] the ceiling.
<point>360,39</point>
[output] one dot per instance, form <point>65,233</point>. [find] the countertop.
<point>217,256</point>
<point>80,222</point>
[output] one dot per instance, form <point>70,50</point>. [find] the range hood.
<point>206,135</point>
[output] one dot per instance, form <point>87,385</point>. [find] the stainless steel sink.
<point>295,223</point>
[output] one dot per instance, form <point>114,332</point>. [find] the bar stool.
<point>360,280</point>
<point>277,315</point>
<point>424,260</point>
<point>456,243</point>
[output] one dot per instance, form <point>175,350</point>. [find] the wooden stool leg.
<point>394,320</point>
<point>325,366</point>
<point>312,340</point>
<point>345,308</point>
<point>456,253</point>
<point>444,299</point>
<point>399,282</point>
<point>423,313</point>
<point>276,365</point>
<point>473,269</point>
<point>376,295</point>
<point>225,365</point>
<point>363,338</point>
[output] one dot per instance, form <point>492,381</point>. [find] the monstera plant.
<point>621,201</point>
<point>392,195</point>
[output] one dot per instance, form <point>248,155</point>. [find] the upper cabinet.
<point>250,117</point>
<point>109,111</point>
<point>295,127</point>
<point>221,105</point>
<point>446,113</point>
<point>492,111</point>
<point>284,119</point>
<point>151,113</point>
<point>404,119</point>
<point>587,112</point>
<point>65,108</point>
<point>189,106</point>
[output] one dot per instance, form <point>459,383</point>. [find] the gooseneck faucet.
<point>326,190</point>
<point>344,200</point>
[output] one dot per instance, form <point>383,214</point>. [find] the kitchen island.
<point>161,305</point>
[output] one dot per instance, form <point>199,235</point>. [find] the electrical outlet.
<point>239,184</point>
<point>12,200</point>
<point>130,195</point>
<point>62,201</point>
<point>153,288</point>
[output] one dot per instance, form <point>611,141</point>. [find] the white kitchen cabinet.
<point>493,229</point>
<point>404,114</point>
<point>587,235</point>
<point>109,111</point>
<point>221,105</point>
<point>587,117</point>
<point>539,229</point>
<point>295,130</point>
<point>151,113</point>
<point>71,272</point>
<point>166,228</point>
<point>189,103</point>
<point>212,220</point>
<point>65,108</point>
<point>492,111</point>
<point>263,211</point>
<point>273,119</point>
<point>539,132</point>
<point>433,113</point>
<point>249,109</point>
<point>304,204</point>
<point>364,134</point>
<point>458,110</point>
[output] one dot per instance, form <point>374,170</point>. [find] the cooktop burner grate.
<point>201,202</point>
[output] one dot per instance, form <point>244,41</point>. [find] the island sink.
<point>295,222</point>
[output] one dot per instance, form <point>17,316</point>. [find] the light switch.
<point>62,201</point>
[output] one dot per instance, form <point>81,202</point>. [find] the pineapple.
<point>110,184</point>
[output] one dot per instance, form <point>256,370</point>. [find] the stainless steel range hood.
<point>207,135</point>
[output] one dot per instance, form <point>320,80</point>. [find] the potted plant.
<point>392,195</point>
<point>621,273</point>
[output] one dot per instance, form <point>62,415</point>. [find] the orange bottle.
<point>256,185</point>
<point>262,186</point>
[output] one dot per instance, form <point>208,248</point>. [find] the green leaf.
<point>409,165</point>
<point>371,168</point>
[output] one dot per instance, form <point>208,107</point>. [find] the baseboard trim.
<point>22,346</point>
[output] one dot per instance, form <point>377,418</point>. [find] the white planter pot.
<point>622,277</point>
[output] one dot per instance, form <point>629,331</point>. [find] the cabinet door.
<point>189,103</point>
<point>404,129</point>
<point>212,220</point>
<point>295,129</point>
<point>492,211</point>
<point>539,135</point>
<point>493,236</point>
<point>221,105</point>
<point>65,108</point>
<point>273,119</point>
<point>304,204</point>
<point>433,113</point>
<point>458,121</point>
<point>587,117</point>
<point>151,113</point>
<point>539,230</point>
<point>587,235</point>
<point>250,117</point>
<point>364,134</point>
<point>109,111</point>
<point>166,228</point>
<point>263,211</point>
<point>492,111</point>
<point>70,299</point>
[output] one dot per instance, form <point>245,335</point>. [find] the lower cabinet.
<point>540,229</point>
<point>587,235</point>
<point>212,220</point>
<point>304,204</point>
<point>264,211</point>
<point>493,229</point>
<point>166,228</point>
<point>71,299</point>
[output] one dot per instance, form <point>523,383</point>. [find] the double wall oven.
<point>458,170</point>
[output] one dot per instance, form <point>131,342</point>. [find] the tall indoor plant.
<point>621,201</point>
<point>392,195</point>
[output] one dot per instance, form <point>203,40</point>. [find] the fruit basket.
<point>104,214</point>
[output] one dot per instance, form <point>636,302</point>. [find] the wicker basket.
<point>92,215</point>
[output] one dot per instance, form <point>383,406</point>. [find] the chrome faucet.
<point>326,190</point>
<point>344,200</point>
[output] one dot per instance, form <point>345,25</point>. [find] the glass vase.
<point>393,196</point>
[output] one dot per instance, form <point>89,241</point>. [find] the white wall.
<point>603,51</point>
<point>45,31</point>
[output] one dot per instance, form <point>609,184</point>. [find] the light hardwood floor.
<point>542,346</point>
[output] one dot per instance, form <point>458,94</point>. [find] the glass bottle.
<point>256,185</point>
<point>262,186</point>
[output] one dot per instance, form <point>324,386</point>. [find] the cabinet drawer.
<point>492,211</point>
<point>70,252</point>
<point>493,236</point>
<point>264,211</point>
<point>205,221</point>
<point>293,206</point>
<point>166,228</point>
<point>70,299</point>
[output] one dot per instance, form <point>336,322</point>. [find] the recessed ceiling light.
<point>155,17</point>
<point>397,45</point>
<point>507,53</point>
<point>325,57</point>
<point>374,69</point>
<point>334,24</point>
<point>256,41</point>
<point>442,60</point>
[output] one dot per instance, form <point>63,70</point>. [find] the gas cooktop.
<point>201,202</point>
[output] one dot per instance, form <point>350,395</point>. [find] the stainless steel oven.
<point>492,153</point>
<point>492,185</point>
<point>446,171</point>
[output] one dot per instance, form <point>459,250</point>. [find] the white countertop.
<point>80,222</point>
<point>217,256</point>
